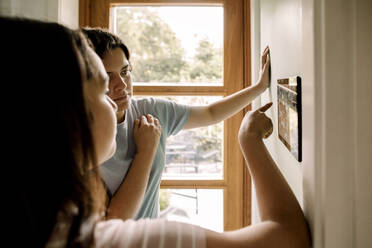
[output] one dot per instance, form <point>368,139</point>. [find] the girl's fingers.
<point>270,129</point>
<point>267,135</point>
<point>265,107</point>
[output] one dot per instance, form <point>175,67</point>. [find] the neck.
<point>120,116</point>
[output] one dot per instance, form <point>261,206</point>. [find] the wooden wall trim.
<point>175,2</point>
<point>84,12</point>
<point>247,195</point>
<point>234,78</point>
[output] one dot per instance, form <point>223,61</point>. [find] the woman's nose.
<point>118,83</point>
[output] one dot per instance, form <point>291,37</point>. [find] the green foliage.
<point>203,140</point>
<point>164,199</point>
<point>207,63</point>
<point>157,54</point>
<point>208,140</point>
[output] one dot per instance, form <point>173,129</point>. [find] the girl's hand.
<point>256,125</point>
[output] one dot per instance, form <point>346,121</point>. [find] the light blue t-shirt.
<point>172,117</point>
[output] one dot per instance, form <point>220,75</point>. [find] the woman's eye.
<point>123,73</point>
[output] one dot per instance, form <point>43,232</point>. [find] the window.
<point>203,207</point>
<point>172,45</point>
<point>194,153</point>
<point>192,52</point>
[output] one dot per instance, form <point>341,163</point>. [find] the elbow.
<point>300,239</point>
<point>288,231</point>
<point>296,235</point>
<point>113,213</point>
<point>292,226</point>
<point>213,115</point>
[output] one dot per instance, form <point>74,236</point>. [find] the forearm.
<point>232,104</point>
<point>221,110</point>
<point>282,222</point>
<point>274,196</point>
<point>128,199</point>
<point>264,234</point>
<point>276,201</point>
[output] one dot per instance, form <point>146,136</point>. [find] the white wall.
<point>279,26</point>
<point>337,56</point>
<point>329,43</point>
<point>69,13</point>
<point>363,107</point>
<point>62,11</point>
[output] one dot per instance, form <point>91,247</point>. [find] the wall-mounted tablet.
<point>289,115</point>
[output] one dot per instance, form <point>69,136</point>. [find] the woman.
<point>66,131</point>
<point>138,182</point>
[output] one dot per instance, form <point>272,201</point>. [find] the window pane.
<point>194,153</point>
<point>172,45</point>
<point>203,207</point>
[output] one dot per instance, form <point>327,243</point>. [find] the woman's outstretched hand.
<point>264,80</point>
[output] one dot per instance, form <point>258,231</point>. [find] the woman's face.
<point>121,89</point>
<point>102,108</point>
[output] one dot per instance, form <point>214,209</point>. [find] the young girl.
<point>52,141</point>
<point>127,178</point>
<point>66,124</point>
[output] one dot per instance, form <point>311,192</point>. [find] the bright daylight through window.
<point>174,46</point>
<point>203,207</point>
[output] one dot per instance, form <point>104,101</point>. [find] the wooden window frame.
<point>236,183</point>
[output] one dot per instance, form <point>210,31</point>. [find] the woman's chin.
<point>123,105</point>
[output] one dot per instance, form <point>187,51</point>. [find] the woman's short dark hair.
<point>103,40</point>
<point>49,144</point>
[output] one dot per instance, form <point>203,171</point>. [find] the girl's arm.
<point>282,221</point>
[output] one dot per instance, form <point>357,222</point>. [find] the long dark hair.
<point>49,143</point>
<point>103,41</point>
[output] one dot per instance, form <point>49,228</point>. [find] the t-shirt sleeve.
<point>146,233</point>
<point>172,115</point>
